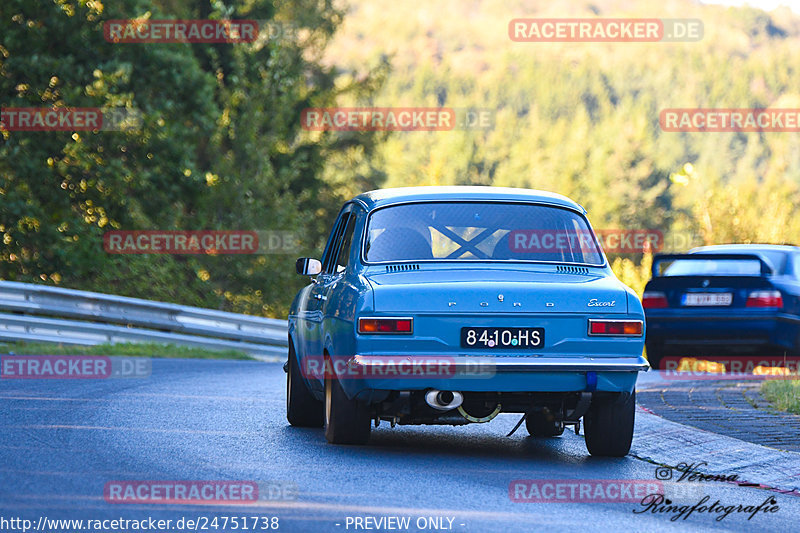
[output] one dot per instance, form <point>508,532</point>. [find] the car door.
<point>319,292</point>
<point>334,271</point>
<point>341,294</point>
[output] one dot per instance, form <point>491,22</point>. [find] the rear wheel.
<point>543,424</point>
<point>608,425</point>
<point>346,421</point>
<point>302,409</point>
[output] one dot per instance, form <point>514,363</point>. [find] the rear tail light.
<point>386,325</point>
<point>765,299</point>
<point>654,300</point>
<point>617,328</point>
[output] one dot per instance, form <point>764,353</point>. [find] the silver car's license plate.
<point>707,298</point>
<point>512,338</point>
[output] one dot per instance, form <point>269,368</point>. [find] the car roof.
<point>743,248</point>
<point>382,197</point>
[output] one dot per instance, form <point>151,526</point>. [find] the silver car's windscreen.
<point>726,267</point>
<point>714,267</point>
<point>479,231</point>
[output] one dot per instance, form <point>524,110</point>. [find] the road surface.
<point>63,442</point>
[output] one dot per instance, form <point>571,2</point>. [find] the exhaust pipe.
<point>443,400</point>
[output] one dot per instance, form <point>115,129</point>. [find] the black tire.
<point>608,425</point>
<point>655,354</point>
<point>543,424</point>
<point>302,409</point>
<point>346,421</point>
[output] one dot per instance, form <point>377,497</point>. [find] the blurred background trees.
<point>221,145</point>
<point>581,119</point>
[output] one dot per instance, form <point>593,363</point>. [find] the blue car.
<point>723,300</point>
<point>450,305</point>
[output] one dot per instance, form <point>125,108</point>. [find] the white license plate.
<point>707,298</point>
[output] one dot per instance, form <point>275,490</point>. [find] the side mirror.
<point>307,266</point>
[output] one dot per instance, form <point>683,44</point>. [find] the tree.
<point>219,147</point>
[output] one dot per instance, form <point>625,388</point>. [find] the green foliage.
<point>581,119</point>
<point>632,274</point>
<point>783,394</point>
<point>220,148</point>
<point>221,145</point>
<point>169,351</point>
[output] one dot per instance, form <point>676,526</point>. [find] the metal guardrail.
<point>105,318</point>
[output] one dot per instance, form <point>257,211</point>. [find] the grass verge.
<point>783,394</point>
<point>153,350</point>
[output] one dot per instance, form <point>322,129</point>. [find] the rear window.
<point>776,259</point>
<point>726,267</point>
<point>713,267</point>
<point>479,231</point>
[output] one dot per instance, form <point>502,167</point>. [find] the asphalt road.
<point>63,441</point>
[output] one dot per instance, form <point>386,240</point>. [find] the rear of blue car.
<point>494,333</point>
<point>473,305</point>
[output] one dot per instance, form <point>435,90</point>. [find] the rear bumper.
<point>466,364</point>
<point>496,374</point>
<point>739,332</point>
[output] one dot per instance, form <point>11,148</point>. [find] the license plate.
<point>503,338</point>
<point>707,298</point>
